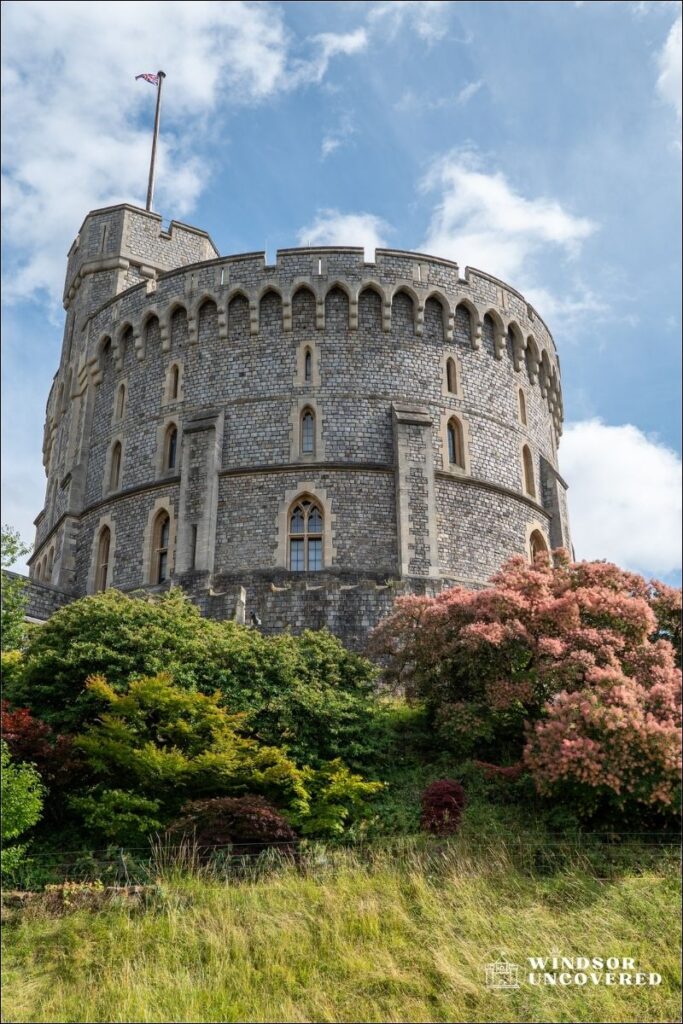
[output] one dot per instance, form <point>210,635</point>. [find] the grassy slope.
<point>391,940</point>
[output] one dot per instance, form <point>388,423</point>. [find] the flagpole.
<point>150,187</point>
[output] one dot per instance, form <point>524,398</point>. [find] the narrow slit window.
<point>174,381</point>
<point>456,447</point>
<point>102,567</point>
<point>115,469</point>
<point>307,432</point>
<point>451,376</point>
<point>171,447</point>
<point>120,401</point>
<point>522,408</point>
<point>308,366</point>
<point>528,470</point>
<point>162,529</point>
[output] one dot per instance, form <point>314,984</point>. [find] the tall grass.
<point>390,935</point>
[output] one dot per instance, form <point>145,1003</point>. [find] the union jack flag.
<point>152,79</point>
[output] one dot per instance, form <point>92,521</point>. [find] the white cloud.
<point>468,91</point>
<point>76,125</point>
<point>429,19</point>
<point>481,221</point>
<point>669,83</point>
<point>337,137</point>
<point>331,227</point>
<point>624,496</point>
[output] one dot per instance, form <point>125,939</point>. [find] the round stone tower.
<point>299,442</point>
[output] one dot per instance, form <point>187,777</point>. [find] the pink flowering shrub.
<point>568,668</point>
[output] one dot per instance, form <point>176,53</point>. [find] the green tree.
<point>13,600</point>
<point>307,692</point>
<point>22,802</point>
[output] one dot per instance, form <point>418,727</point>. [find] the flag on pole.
<point>152,79</point>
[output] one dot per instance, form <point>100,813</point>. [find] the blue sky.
<point>538,141</point>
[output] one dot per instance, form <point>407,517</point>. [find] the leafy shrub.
<point>122,817</point>
<point>165,745</point>
<point>248,823</point>
<point>306,692</point>
<point>568,666</point>
<point>442,803</point>
<point>29,739</point>
<point>21,796</point>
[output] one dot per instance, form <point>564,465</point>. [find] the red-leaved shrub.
<point>442,802</point>
<point>31,740</point>
<point>245,824</point>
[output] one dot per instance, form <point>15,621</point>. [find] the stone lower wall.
<point>43,600</point>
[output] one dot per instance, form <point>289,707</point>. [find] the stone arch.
<point>494,327</point>
<point>304,308</point>
<point>447,311</point>
<point>338,305</point>
<point>163,507</point>
<point>270,296</point>
<point>474,323</point>
<point>536,542</point>
<point>99,536</point>
<point>528,474</point>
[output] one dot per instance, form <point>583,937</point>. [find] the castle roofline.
<point>153,216</point>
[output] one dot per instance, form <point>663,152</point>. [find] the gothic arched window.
<point>162,529</point>
<point>102,565</point>
<point>537,545</point>
<point>307,432</point>
<point>308,366</point>
<point>305,537</point>
<point>456,446</point>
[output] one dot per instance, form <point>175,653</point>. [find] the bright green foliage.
<point>22,803</point>
<point>122,817</point>
<point>337,796</point>
<point>171,745</point>
<point>307,692</point>
<point>165,745</point>
<point>13,601</point>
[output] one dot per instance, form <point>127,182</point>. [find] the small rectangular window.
<point>193,552</point>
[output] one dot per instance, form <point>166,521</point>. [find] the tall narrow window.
<point>115,469</point>
<point>308,366</point>
<point>174,382</point>
<point>120,401</point>
<point>522,407</point>
<point>102,567</point>
<point>306,537</point>
<point>171,448</point>
<point>307,432</point>
<point>162,527</point>
<point>50,562</point>
<point>451,376</point>
<point>537,545</point>
<point>456,447</point>
<point>528,468</point>
<point>193,544</point>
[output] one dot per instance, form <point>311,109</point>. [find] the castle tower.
<point>318,435</point>
<point>116,248</point>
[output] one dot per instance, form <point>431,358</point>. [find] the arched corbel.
<point>287,312</point>
<point>320,312</point>
<point>222,317</point>
<point>353,311</point>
